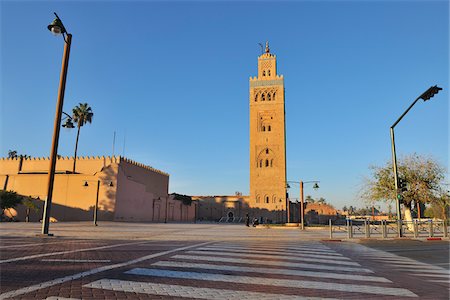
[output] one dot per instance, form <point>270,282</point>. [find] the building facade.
<point>124,190</point>
<point>267,136</point>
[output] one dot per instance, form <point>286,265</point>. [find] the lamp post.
<point>86,184</point>
<point>302,201</point>
<point>56,27</point>
<point>427,95</point>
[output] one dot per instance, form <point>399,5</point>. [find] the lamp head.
<point>68,124</point>
<point>428,94</point>
<point>57,27</point>
<point>316,186</point>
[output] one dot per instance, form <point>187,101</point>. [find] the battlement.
<point>277,77</point>
<point>127,160</point>
<point>111,158</point>
<point>267,55</point>
<point>85,164</point>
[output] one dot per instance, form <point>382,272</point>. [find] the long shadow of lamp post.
<point>302,201</point>
<point>399,187</point>
<point>57,28</point>
<point>86,184</point>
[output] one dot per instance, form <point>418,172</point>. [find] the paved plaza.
<point>210,261</point>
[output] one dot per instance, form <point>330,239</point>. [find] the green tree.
<point>440,205</point>
<point>423,176</point>
<point>309,199</point>
<point>30,205</point>
<point>321,200</point>
<point>12,154</point>
<point>8,200</point>
<point>81,115</point>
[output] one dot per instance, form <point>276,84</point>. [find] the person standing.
<point>247,220</point>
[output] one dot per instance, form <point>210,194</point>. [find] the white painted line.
<point>263,271</point>
<point>420,272</point>
<point>434,275</point>
<point>77,260</point>
<point>272,263</point>
<point>37,244</point>
<point>440,281</point>
<point>299,253</point>
<point>171,290</point>
<point>285,257</point>
<point>56,281</point>
<point>302,284</point>
<point>287,249</point>
<point>65,252</point>
<point>59,298</point>
<point>313,246</point>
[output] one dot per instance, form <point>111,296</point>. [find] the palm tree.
<point>81,115</point>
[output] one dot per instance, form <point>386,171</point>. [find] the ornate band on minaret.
<point>267,138</point>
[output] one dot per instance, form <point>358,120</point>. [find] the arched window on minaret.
<point>269,97</point>
<point>256,97</point>
<point>264,73</point>
<point>263,97</point>
<point>268,128</point>
<point>267,162</point>
<point>268,72</point>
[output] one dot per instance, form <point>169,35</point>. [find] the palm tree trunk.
<point>76,148</point>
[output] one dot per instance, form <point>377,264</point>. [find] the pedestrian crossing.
<point>413,267</point>
<point>255,271</point>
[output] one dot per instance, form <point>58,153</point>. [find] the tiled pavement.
<point>264,268</point>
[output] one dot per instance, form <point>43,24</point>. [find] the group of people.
<point>255,221</point>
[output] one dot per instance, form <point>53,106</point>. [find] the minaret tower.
<point>267,138</point>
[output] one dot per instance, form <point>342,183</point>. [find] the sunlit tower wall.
<point>267,137</point>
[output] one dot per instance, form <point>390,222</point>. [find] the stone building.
<point>127,190</point>
<point>267,137</point>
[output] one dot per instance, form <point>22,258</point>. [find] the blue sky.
<point>171,79</point>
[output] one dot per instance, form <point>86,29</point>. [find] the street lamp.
<point>427,95</point>
<point>302,201</point>
<point>69,123</point>
<point>56,27</point>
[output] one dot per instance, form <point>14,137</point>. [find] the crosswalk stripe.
<point>303,254</point>
<point>46,284</point>
<point>270,271</point>
<point>271,263</point>
<point>436,275</point>
<point>77,260</point>
<point>287,257</point>
<point>422,267</point>
<point>440,281</point>
<point>59,298</point>
<point>368,289</point>
<point>271,248</point>
<point>277,246</point>
<point>188,291</point>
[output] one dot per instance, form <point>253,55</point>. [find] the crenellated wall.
<point>84,165</point>
<point>128,190</point>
